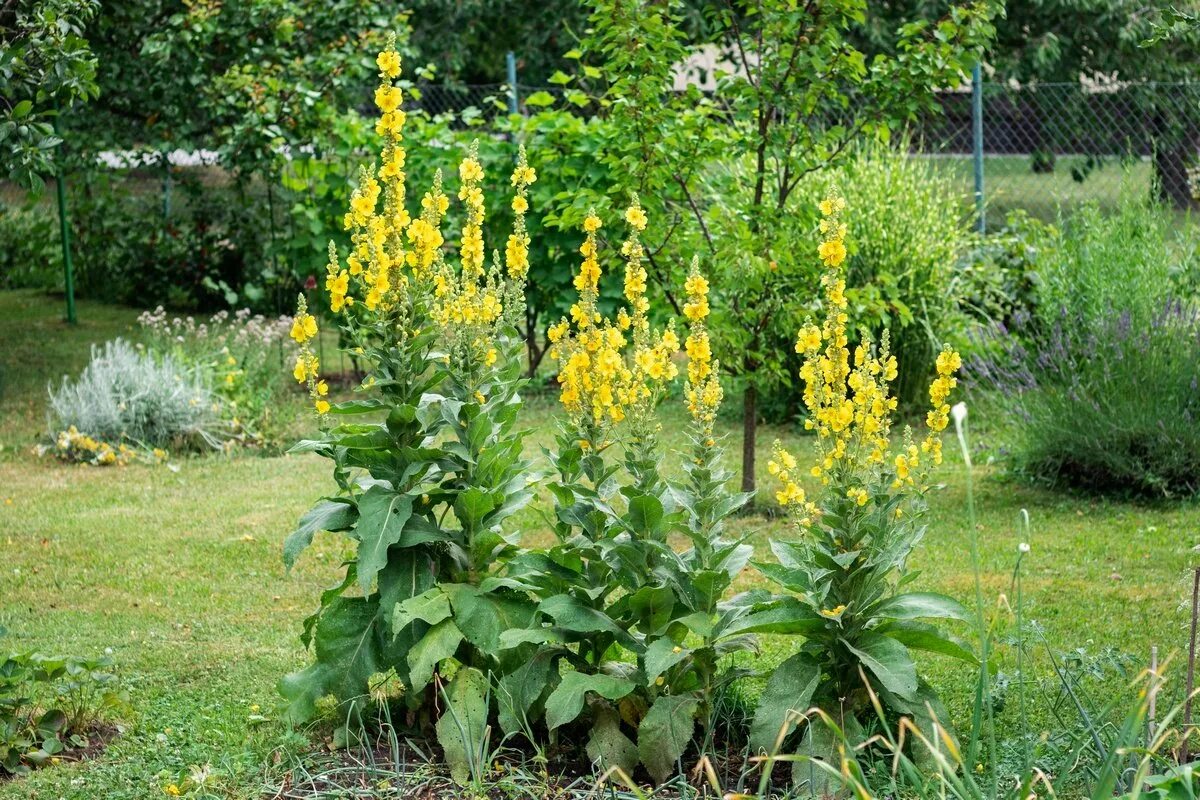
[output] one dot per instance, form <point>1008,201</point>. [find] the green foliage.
<point>1070,378</point>
<point>238,356</point>
<point>30,254</point>
<point>46,65</point>
<point>51,704</point>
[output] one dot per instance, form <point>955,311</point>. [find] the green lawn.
<point>1009,183</point>
<point>180,574</point>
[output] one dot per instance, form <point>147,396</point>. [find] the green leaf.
<point>519,693</point>
<point>22,109</point>
<point>916,605</point>
<point>645,513</point>
<point>665,733</point>
<point>463,726</point>
<point>567,612</point>
<point>382,515</point>
<point>609,747</point>
<point>652,607</point>
<point>347,653</point>
<point>788,693</point>
<point>926,637</point>
<point>888,660</point>
<point>432,606</point>
<point>327,515</point>
<point>787,615</point>
<point>566,702</point>
<point>483,615</point>
<point>439,642</point>
<point>540,99</point>
<point>472,506</point>
<point>661,655</point>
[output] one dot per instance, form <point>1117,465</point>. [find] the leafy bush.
<point>30,255</point>
<point>127,396</point>
<point>49,704</point>
<point>1072,378</point>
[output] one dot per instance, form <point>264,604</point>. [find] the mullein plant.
<point>639,623</point>
<point>426,459</point>
<point>844,572</point>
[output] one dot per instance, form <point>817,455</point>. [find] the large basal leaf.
<point>916,605</point>
<point>347,654</point>
<point>608,747</point>
<point>926,637</point>
<point>439,642</point>
<point>382,515</point>
<point>463,726</point>
<point>327,515</point>
<point>788,694</point>
<point>888,660</point>
<point>665,733</point>
<point>644,514</point>
<point>566,702</point>
<point>519,694</point>
<point>569,613</point>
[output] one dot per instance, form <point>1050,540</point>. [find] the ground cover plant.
<point>50,705</point>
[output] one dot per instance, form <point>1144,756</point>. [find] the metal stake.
<point>514,100</point>
<point>977,138</point>
<point>64,227</point>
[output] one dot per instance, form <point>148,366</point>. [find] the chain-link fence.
<point>1058,145</point>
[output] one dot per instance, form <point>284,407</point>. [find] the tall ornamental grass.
<point>1099,381</point>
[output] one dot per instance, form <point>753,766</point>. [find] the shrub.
<point>1098,385</point>
<point>127,396</point>
<point>30,254</point>
<point>237,354</point>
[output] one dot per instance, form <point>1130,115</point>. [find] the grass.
<point>1009,183</point>
<point>180,574</point>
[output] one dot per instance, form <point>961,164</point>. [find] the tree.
<point>719,171</point>
<point>1135,44</point>
<point>45,66</point>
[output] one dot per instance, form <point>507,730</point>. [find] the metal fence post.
<point>514,100</point>
<point>977,140</point>
<point>64,225</point>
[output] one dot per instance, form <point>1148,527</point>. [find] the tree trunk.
<point>1171,164</point>
<point>749,436</point>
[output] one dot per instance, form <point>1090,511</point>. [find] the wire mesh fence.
<point>1045,148</point>
<point>1055,146</point>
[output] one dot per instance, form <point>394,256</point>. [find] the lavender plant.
<point>1099,383</point>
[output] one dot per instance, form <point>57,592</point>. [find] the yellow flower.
<point>490,358</point>
<point>520,205</point>
<point>591,223</point>
<point>322,406</point>
<point>636,217</point>
<point>388,98</point>
<point>389,63</point>
<point>172,790</point>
